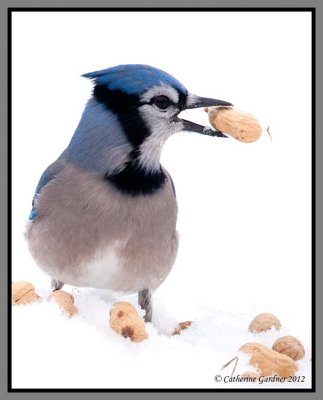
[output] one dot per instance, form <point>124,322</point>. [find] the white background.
<point>244,209</point>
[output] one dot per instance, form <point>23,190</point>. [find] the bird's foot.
<point>56,285</point>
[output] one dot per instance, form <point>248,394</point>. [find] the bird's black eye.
<point>161,102</point>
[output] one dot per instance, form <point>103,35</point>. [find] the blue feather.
<point>134,78</point>
<point>51,171</point>
<point>49,174</point>
<point>99,143</point>
<point>33,214</point>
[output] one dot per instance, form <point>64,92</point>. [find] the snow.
<point>53,350</point>
<point>244,209</point>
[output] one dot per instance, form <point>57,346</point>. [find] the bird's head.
<point>147,102</point>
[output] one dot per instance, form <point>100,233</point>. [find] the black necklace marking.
<point>125,106</point>
<point>134,181</point>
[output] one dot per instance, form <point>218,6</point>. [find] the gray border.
<point>3,193</point>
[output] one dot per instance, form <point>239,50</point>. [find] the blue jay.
<point>104,213</point>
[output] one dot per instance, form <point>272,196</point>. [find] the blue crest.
<point>134,78</point>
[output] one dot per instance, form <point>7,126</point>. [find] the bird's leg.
<point>144,300</point>
<point>56,285</point>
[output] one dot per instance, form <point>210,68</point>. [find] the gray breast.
<point>88,234</point>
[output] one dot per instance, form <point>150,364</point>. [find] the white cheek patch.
<point>159,123</point>
<point>150,152</point>
<point>162,89</point>
<point>161,129</point>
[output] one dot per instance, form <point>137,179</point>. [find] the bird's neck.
<point>135,180</point>
<point>143,133</point>
<point>99,143</point>
<point>148,154</point>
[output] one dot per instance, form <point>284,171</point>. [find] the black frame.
<point>312,10</point>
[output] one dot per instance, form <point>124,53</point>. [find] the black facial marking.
<point>134,181</point>
<point>182,100</point>
<point>125,106</point>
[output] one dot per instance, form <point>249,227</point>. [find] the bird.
<point>104,213</point>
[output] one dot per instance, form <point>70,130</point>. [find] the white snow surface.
<point>244,209</point>
<point>51,350</point>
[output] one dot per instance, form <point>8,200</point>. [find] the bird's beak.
<point>193,101</point>
<point>197,102</point>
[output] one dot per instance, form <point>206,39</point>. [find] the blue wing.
<point>49,174</point>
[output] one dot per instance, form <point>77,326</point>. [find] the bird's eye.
<point>161,102</point>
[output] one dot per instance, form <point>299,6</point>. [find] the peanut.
<point>125,320</point>
<point>263,322</point>
<point>290,346</point>
<point>182,326</point>
<point>65,301</point>
<point>269,362</point>
<point>240,125</point>
<point>23,293</point>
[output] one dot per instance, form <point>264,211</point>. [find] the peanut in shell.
<point>125,320</point>
<point>65,301</point>
<point>240,125</point>
<point>23,292</point>
<point>269,362</point>
<point>290,346</point>
<point>263,322</point>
